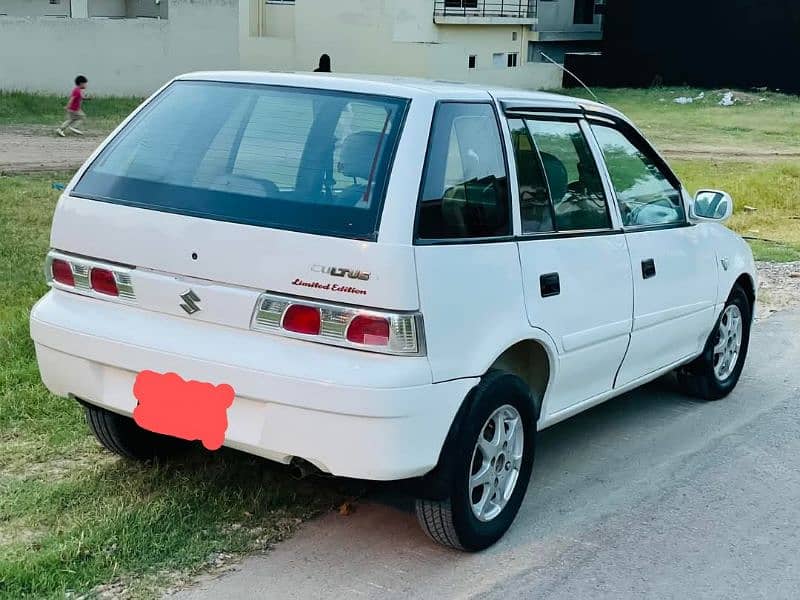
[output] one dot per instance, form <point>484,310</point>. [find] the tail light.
<point>104,282</point>
<point>370,330</point>
<point>350,327</point>
<point>302,319</point>
<point>89,277</point>
<point>61,271</point>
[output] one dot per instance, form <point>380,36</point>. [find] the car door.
<point>673,262</point>
<point>575,267</point>
<point>464,248</point>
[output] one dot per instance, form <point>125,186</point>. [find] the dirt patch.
<point>778,287</point>
<point>711,152</point>
<point>37,148</point>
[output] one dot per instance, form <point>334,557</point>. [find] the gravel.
<point>778,287</point>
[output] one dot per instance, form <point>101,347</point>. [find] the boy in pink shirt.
<point>74,113</point>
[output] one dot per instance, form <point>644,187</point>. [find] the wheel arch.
<point>534,360</point>
<point>747,283</point>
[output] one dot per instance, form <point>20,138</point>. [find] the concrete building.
<point>132,46</point>
<point>566,26</point>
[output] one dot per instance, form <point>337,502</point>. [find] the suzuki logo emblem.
<point>191,299</point>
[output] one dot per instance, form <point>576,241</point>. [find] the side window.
<point>576,189</point>
<point>645,195</point>
<point>534,199</point>
<point>465,187</point>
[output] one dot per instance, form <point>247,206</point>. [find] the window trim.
<point>416,240</point>
<point>568,116</point>
<point>635,137</point>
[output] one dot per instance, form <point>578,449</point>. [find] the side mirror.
<point>712,205</point>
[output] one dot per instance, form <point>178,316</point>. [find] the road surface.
<point>649,495</point>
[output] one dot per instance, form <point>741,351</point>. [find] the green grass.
<point>752,126</point>
<point>72,516</point>
<point>772,188</point>
<point>23,108</point>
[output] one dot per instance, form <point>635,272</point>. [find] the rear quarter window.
<point>305,160</point>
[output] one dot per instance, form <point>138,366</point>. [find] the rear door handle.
<point>648,268</point>
<point>550,285</point>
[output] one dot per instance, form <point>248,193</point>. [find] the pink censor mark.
<point>190,410</point>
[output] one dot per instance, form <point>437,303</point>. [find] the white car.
<point>392,279</point>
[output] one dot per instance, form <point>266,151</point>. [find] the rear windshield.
<point>305,160</point>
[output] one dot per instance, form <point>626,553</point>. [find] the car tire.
<point>715,373</point>
<point>121,435</point>
<point>501,401</point>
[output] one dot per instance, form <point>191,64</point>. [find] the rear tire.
<point>122,436</point>
<point>715,373</point>
<point>495,442</point>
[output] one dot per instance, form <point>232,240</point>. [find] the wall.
<point>119,56</point>
<point>558,17</point>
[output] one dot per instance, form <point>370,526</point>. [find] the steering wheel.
<point>636,213</point>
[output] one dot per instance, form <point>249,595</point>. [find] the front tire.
<point>715,373</point>
<point>122,436</point>
<point>489,467</point>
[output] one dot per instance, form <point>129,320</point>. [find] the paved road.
<point>650,495</point>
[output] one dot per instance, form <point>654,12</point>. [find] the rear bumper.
<point>388,423</point>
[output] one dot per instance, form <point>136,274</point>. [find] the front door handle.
<point>550,285</point>
<point>648,268</point>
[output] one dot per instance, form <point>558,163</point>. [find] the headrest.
<point>358,154</point>
<point>557,176</point>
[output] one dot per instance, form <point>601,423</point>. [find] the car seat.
<point>356,160</point>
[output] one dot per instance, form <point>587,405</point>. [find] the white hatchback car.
<point>397,279</point>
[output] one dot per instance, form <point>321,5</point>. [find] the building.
<point>566,26</point>
<point>132,46</point>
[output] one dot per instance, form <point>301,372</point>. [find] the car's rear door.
<point>673,261</point>
<point>575,267</point>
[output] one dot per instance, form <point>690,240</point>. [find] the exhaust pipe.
<point>300,468</point>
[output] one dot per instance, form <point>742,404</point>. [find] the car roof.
<point>405,87</point>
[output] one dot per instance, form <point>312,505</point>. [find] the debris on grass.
<point>728,99</point>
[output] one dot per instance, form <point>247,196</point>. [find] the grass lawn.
<point>751,126</point>
<point>773,188</point>
<point>104,113</point>
<point>72,516</point>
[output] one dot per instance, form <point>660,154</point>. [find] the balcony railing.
<point>489,9</point>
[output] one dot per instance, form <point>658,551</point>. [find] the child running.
<point>74,113</point>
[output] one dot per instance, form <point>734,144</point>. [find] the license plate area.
<point>169,405</point>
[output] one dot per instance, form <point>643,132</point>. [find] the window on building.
<point>38,8</point>
<point>465,189</point>
<point>512,59</point>
<point>128,9</point>
<point>513,36</point>
<point>584,12</point>
<point>533,52</point>
<point>461,3</point>
<point>473,60</point>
